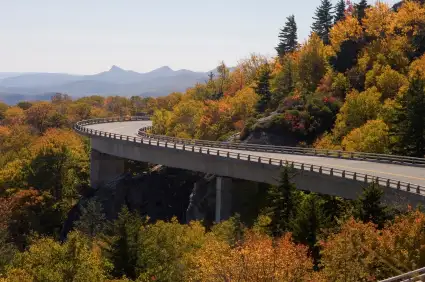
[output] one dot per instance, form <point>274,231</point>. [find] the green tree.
<point>24,105</point>
<point>7,250</point>
<point>323,20</point>
<point>288,37</point>
<point>92,220</point>
<point>408,127</point>
<point>369,206</point>
<point>262,88</point>
<point>124,248</point>
<point>309,220</point>
<point>282,84</point>
<point>360,9</point>
<point>282,203</point>
<point>339,11</point>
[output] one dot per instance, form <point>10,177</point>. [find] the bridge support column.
<point>223,199</point>
<point>104,168</point>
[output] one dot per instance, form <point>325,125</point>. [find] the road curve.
<point>410,174</point>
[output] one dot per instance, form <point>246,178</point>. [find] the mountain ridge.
<point>115,81</point>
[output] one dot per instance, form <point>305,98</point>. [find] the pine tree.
<point>288,37</point>
<point>309,220</point>
<point>262,87</point>
<point>92,220</point>
<point>360,9</point>
<point>123,252</point>
<point>339,11</point>
<point>323,20</point>
<point>408,127</point>
<point>369,207</point>
<point>282,202</point>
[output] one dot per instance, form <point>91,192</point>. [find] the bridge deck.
<point>414,175</point>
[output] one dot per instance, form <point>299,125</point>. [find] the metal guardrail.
<point>205,147</point>
<point>412,276</point>
<point>291,150</point>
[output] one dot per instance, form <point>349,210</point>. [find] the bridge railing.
<point>289,150</point>
<point>412,276</point>
<point>195,146</point>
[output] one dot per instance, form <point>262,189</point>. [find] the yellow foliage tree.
<point>401,246</point>
<point>390,82</point>
<point>357,110</point>
<point>347,29</point>
<point>14,116</point>
<point>312,62</point>
<point>350,254</point>
<point>47,260</point>
<point>378,18</point>
<point>371,137</point>
<point>256,258</point>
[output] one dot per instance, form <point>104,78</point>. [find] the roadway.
<point>411,174</point>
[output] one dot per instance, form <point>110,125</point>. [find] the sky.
<point>89,36</point>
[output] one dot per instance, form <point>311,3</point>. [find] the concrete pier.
<point>104,168</point>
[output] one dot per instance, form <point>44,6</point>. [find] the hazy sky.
<point>89,36</point>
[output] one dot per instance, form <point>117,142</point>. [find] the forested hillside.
<point>356,84</point>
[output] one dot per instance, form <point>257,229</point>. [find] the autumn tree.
<point>312,61</point>
<point>257,258</point>
<point>357,110</point>
<point>48,260</point>
<point>222,80</point>
<point>163,247</point>
<point>339,11</point>
<point>59,164</point>
<point>32,211</point>
<point>7,248</point>
<point>14,116</point>
<point>3,108</point>
<point>39,115</point>
<point>409,123</point>
<point>372,137</point>
<point>323,20</point>
<point>401,247</point>
<point>288,37</point>
<point>349,255</point>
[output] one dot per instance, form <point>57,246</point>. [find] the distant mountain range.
<point>15,87</point>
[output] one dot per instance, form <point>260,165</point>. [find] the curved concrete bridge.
<point>328,172</point>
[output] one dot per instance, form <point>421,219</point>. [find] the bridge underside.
<point>231,168</point>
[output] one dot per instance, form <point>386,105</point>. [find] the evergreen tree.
<point>360,9</point>
<point>262,87</point>
<point>92,220</point>
<point>409,122</point>
<point>282,203</point>
<point>309,220</point>
<point>288,37</point>
<point>124,249</point>
<point>369,207</point>
<point>339,11</point>
<point>323,20</point>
